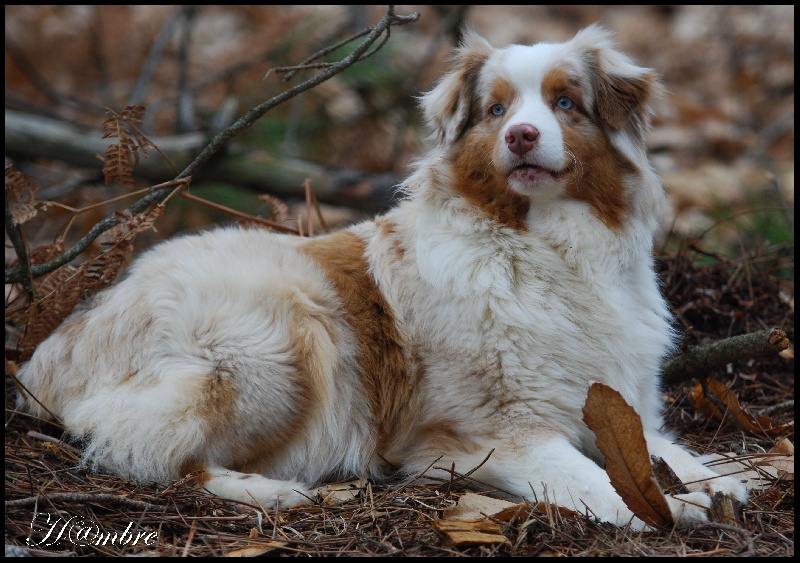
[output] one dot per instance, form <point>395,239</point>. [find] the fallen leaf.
<point>471,533</point>
<point>725,397</point>
<point>335,493</point>
<point>472,506</point>
<point>620,438</point>
<point>781,457</point>
<point>255,550</point>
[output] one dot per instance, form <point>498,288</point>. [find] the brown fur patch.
<point>597,180</point>
<point>476,177</point>
<point>480,183</point>
<point>460,107</point>
<point>557,82</point>
<point>597,170</point>
<point>502,93</point>
<point>217,400</point>
<point>195,471</point>
<point>444,436</point>
<point>72,332</point>
<point>218,395</point>
<point>388,385</point>
<point>309,387</point>
<point>388,230</point>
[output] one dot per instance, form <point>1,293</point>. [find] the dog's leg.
<point>690,469</point>
<point>554,469</point>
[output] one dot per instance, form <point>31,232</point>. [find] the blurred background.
<point>723,139</point>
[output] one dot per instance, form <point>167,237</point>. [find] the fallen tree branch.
<point>700,360</point>
<point>34,136</point>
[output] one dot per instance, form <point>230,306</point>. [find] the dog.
<point>469,319</point>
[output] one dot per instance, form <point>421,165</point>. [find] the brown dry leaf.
<point>620,438</point>
<point>781,457</point>
<point>59,292</point>
<point>62,289</point>
<point>256,550</point>
<point>130,147</point>
<point>463,533</point>
<point>472,506</point>
<point>335,493</point>
<point>727,398</point>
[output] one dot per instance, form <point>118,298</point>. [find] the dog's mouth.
<point>531,173</point>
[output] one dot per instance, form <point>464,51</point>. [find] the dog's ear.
<point>624,92</point>
<point>448,107</point>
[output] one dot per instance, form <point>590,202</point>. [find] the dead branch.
<point>88,497</point>
<point>16,273</point>
<point>35,136</point>
<point>699,361</point>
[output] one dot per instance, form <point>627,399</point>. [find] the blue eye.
<point>497,110</point>
<point>564,103</point>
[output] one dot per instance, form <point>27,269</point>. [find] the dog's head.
<point>529,125</point>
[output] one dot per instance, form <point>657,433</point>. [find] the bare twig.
<point>52,440</point>
<point>88,497</point>
<point>307,63</point>
<point>219,207</point>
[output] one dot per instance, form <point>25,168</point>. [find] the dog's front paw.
<point>693,508</point>
<point>711,483</point>
<point>689,509</point>
<point>728,486</point>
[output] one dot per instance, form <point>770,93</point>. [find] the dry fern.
<point>21,194</point>
<point>131,225</point>
<point>279,211</point>
<point>130,148</point>
<point>63,289</point>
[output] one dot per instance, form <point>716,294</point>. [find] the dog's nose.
<point>521,138</point>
